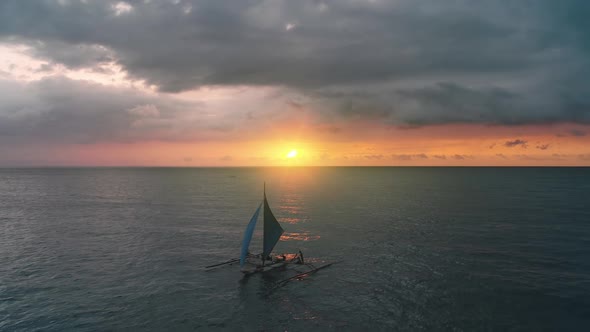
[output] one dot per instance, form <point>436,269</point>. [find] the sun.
<point>292,154</point>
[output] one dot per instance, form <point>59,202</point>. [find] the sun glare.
<point>292,154</point>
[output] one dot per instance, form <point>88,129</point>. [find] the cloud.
<point>61,110</point>
<point>440,156</point>
<point>148,110</point>
<point>573,133</point>
<point>537,158</point>
<point>516,142</point>
<point>290,26</point>
<point>58,109</point>
<point>429,63</point>
<point>73,55</point>
<point>543,146</point>
<point>121,8</point>
<point>409,156</point>
<point>46,67</point>
<point>500,155</point>
<point>462,157</point>
<point>374,156</point>
<point>420,156</point>
<point>226,158</point>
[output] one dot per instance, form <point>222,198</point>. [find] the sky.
<point>247,82</point>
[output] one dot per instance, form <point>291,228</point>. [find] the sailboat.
<point>272,233</point>
<point>263,262</point>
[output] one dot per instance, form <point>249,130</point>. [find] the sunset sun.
<point>292,154</point>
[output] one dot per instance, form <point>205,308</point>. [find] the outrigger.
<point>266,261</point>
<point>272,233</point>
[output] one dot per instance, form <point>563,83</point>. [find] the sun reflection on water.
<point>302,236</point>
<point>291,208</point>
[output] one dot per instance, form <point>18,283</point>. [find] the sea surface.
<point>461,249</point>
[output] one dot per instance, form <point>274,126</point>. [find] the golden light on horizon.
<point>292,154</point>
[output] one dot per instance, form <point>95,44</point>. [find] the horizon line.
<point>298,166</point>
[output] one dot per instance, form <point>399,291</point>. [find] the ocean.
<point>461,249</point>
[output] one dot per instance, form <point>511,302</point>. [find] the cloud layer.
<point>354,81</point>
<point>400,62</point>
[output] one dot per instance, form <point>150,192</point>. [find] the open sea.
<point>460,249</point>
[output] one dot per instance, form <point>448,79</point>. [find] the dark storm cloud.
<point>404,62</point>
<point>247,42</point>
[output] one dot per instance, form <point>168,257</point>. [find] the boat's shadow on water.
<point>258,304</point>
<point>263,283</point>
<point>266,304</point>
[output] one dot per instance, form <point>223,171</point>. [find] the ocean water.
<point>462,249</point>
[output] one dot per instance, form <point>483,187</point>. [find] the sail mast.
<point>263,214</point>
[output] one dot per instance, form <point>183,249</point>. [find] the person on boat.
<point>300,259</point>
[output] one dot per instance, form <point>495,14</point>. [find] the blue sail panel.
<point>248,236</point>
<point>272,230</point>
